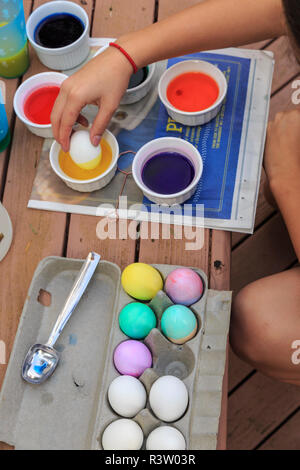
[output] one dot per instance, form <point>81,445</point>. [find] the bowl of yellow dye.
<point>83,180</point>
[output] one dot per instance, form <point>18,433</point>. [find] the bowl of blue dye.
<point>167,170</point>
<point>139,86</point>
<point>59,33</point>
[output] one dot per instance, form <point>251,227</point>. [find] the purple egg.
<point>184,286</point>
<point>132,357</point>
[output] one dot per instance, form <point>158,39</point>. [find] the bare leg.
<point>265,324</point>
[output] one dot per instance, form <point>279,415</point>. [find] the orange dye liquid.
<point>74,171</point>
<point>192,91</point>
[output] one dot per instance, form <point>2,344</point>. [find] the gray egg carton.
<point>71,410</point>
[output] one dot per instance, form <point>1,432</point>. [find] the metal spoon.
<point>42,359</point>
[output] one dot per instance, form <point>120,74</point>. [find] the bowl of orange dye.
<point>193,91</point>
<point>83,180</point>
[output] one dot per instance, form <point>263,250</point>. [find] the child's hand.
<point>282,153</point>
<point>102,81</point>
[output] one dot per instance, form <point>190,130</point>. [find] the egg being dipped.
<point>83,152</point>
<point>73,170</point>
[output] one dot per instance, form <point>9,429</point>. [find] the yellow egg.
<point>141,281</point>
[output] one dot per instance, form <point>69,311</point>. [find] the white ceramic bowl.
<point>62,58</point>
<point>168,144</point>
<point>31,84</point>
<point>132,95</point>
<point>87,186</point>
<point>193,118</point>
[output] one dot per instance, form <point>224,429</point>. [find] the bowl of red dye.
<point>193,91</point>
<point>167,170</point>
<point>34,100</point>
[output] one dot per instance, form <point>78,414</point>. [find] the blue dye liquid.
<point>168,173</point>
<point>58,30</point>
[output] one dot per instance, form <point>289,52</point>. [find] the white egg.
<point>127,396</point>
<point>82,152</point>
<point>122,434</point>
<point>165,438</point>
<point>168,398</point>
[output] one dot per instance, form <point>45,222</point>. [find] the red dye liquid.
<point>192,91</point>
<point>38,105</point>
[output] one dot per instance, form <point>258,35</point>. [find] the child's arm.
<point>208,25</point>
<point>211,24</point>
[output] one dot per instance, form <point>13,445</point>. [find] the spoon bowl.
<point>39,363</point>
<point>41,360</point>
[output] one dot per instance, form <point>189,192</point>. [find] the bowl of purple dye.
<point>167,170</point>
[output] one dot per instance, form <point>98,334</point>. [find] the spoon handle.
<point>79,287</point>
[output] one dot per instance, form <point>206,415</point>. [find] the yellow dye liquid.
<point>74,171</point>
<point>16,65</point>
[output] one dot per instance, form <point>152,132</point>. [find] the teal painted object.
<point>136,320</point>
<point>178,322</point>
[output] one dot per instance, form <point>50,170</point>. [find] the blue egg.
<point>179,324</point>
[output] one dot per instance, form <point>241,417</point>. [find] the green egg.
<point>136,320</point>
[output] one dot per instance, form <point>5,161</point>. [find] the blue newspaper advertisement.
<point>218,141</point>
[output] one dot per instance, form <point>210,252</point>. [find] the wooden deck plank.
<point>286,65</point>
<point>267,252</point>
<point>220,265</point>
<point>287,437</point>
<point>264,210</point>
<point>172,250</point>
<point>238,371</point>
<point>167,8</point>
<point>115,17</point>
<point>111,18</point>
<point>257,408</point>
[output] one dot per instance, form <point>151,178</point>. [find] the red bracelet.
<point>135,69</point>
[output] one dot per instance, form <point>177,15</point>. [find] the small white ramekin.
<point>133,95</point>
<point>167,144</point>
<point>87,186</point>
<point>62,58</point>
<point>27,87</point>
<point>197,118</point>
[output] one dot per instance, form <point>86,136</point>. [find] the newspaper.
<point>231,147</point>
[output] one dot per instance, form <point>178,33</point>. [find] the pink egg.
<point>132,357</point>
<point>184,286</point>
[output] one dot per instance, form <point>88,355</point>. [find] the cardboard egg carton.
<point>71,410</point>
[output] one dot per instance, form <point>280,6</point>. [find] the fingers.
<point>65,112</point>
<point>57,112</point>
<point>69,117</point>
<point>101,121</point>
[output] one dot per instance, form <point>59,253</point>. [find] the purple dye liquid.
<point>168,173</point>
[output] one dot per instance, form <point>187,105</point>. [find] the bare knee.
<point>265,323</point>
<point>249,332</point>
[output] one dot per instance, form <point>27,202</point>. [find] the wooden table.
<point>38,234</point>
